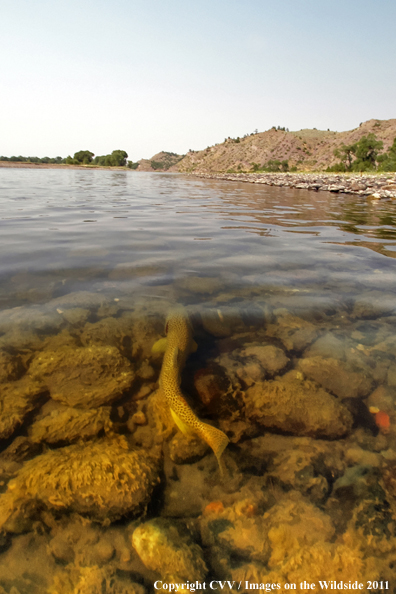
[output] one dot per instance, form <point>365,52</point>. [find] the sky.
<point>174,75</point>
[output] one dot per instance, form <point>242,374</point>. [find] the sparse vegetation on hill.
<point>304,150</point>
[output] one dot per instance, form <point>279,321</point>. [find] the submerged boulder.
<point>69,424</point>
<point>103,479</point>
<point>335,376</point>
<point>298,407</point>
<point>17,400</point>
<point>83,377</point>
<point>167,549</point>
<point>11,368</point>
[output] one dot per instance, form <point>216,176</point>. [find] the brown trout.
<point>178,345</point>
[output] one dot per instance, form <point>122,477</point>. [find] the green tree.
<point>346,154</point>
<point>83,157</point>
<point>387,161</point>
<point>118,158</point>
<point>366,152</point>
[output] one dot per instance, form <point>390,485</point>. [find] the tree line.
<point>117,158</point>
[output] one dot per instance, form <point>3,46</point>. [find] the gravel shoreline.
<point>370,186</point>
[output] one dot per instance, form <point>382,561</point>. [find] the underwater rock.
<point>271,358</point>
<point>297,407</point>
<point>84,377</point>
<point>294,332</point>
<point>166,548</point>
<point>81,299</point>
<point>201,285</point>
<point>26,566</point>
<point>108,332</point>
<point>77,316</point>
<point>299,463</point>
<point>252,364</point>
<point>328,346</point>
<point>302,545</point>
<point>92,580</point>
<point>237,529</point>
<point>294,522</point>
<point>186,449</point>
<point>383,398</point>
<point>335,377</point>
<point>222,322</point>
<point>146,329</point>
<point>17,400</point>
<point>374,304</point>
<point>11,367</point>
<point>103,479</point>
<point>69,424</point>
<point>216,391</point>
<point>131,270</point>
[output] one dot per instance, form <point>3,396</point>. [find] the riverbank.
<point>24,165</point>
<point>372,186</point>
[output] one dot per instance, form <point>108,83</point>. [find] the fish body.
<point>179,345</point>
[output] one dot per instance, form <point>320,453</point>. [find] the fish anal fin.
<point>159,346</point>
<point>194,346</point>
<point>182,426</point>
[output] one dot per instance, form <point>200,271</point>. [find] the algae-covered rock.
<point>333,375</point>
<point>186,449</point>
<point>302,544</point>
<point>76,316</point>
<point>271,358</point>
<point>297,407</point>
<point>107,331</point>
<point>92,580</point>
<point>238,529</point>
<point>70,424</point>
<point>11,367</point>
<point>103,479</point>
<point>299,463</point>
<point>165,548</point>
<point>17,399</point>
<point>83,377</point>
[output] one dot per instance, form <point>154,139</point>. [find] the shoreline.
<point>376,187</point>
<point>25,165</point>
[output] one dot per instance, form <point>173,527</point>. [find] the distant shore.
<point>24,165</point>
<point>376,186</point>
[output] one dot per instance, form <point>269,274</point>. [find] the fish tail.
<point>216,439</point>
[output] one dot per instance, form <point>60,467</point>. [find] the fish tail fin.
<point>216,439</point>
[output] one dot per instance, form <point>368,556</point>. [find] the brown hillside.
<point>162,161</point>
<point>308,150</point>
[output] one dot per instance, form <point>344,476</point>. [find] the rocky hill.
<point>162,161</point>
<point>305,150</point>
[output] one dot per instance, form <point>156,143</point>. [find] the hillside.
<point>307,150</point>
<point>162,161</point>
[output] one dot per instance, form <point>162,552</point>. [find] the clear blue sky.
<point>154,75</point>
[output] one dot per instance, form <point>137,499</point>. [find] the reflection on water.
<point>291,297</point>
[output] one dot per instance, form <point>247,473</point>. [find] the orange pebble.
<point>250,510</point>
<point>215,507</point>
<point>382,421</point>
